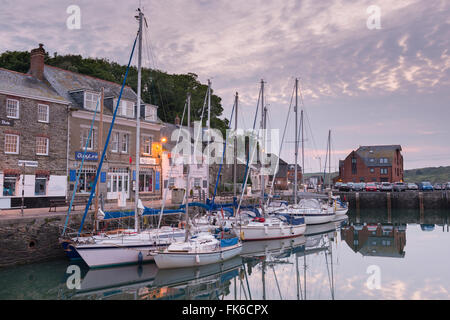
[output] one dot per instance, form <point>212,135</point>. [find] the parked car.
<point>378,184</point>
<point>350,185</point>
<point>371,187</point>
<point>425,186</point>
<point>447,186</point>
<point>412,186</point>
<point>438,186</point>
<point>358,186</point>
<point>337,185</point>
<point>399,186</point>
<point>386,186</point>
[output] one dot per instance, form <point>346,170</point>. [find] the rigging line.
<point>171,168</point>
<point>150,53</point>
<point>81,167</point>
<point>107,138</point>
<point>247,172</point>
<point>281,146</point>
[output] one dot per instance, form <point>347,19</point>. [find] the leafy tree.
<point>168,91</point>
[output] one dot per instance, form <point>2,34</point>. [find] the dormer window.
<point>126,108</point>
<point>90,100</point>
<point>150,113</point>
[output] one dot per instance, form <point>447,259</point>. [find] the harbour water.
<point>369,255</point>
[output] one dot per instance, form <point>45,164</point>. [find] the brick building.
<point>33,135</point>
<point>372,164</point>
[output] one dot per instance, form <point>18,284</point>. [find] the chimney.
<point>177,121</point>
<point>37,62</point>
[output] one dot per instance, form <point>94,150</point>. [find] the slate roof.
<point>377,152</point>
<point>25,84</point>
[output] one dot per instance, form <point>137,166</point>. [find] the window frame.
<point>17,110</point>
<point>47,113</point>
<point>125,138</point>
<point>17,143</point>
<point>94,100</point>
<point>46,147</point>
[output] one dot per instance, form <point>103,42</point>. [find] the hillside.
<point>432,174</point>
<point>168,91</point>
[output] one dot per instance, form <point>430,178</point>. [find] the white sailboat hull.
<point>130,249</point>
<point>319,218</point>
<point>170,260</point>
<point>260,232</point>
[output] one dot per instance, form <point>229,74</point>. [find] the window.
<point>372,170</point>
<point>126,108</point>
<point>354,170</point>
<point>40,185</point>
<point>85,136</point>
<point>171,182</point>
<point>9,185</point>
<point>43,113</point>
<point>383,160</point>
<point>125,138</point>
<point>197,182</point>
<point>115,142</point>
<point>12,108</point>
<point>90,100</point>
<point>147,144</point>
<point>383,171</point>
<point>146,181</point>
<point>150,113</point>
<point>42,146</point>
<point>11,143</point>
<point>87,177</point>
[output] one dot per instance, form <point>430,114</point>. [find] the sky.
<point>370,79</point>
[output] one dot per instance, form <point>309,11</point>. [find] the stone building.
<point>372,164</point>
<point>118,173</point>
<point>33,135</point>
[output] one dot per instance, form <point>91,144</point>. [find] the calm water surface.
<point>370,255</point>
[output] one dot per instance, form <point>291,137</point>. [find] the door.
<point>118,182</point>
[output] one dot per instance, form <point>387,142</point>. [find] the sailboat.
<point>268,227</point>
<point>200,249</point>
<point>129,245</point>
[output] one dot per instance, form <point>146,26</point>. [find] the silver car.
<point>412,186</point>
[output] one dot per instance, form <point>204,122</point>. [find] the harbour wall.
<point>436,200</point>
<point>32,239</point>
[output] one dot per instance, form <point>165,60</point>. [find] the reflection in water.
<point>328,262</point>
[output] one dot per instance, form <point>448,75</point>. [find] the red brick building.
<point>372,164</point>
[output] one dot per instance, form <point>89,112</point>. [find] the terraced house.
<point>45,119</point>
<point>373,164</point>
<point>33,139</point>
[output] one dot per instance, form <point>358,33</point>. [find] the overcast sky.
<point>387,85</point>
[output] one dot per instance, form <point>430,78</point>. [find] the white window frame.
<point>17,116</point>
<point>125,138</point>
<point>93,101</point>
<point>115,143</point>
<point>150,113</point>
<point>47,113</point>
<point>85,130</point>
<point>46,149</point>
<point>17,143</point>
<point>146,138</point>
<point>124,107</point>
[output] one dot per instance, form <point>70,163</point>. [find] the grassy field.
<point>432,174</point>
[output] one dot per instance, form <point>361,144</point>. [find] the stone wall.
<point>27,240</point>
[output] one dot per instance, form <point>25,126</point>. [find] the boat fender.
<point>140,258</point>
<point>197,259</point>
<point>242,235</point>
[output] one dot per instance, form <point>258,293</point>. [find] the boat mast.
<point>138,125</point>
<point>188,175</point>
<point>100,143</point>
<point>296,141</point>
<point>235,145</point>
<point>303,148</point>
<point>209,136</point>
<point>329,159</point>
<point>263,111</point>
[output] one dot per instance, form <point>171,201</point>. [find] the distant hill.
<point>432,174</point>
